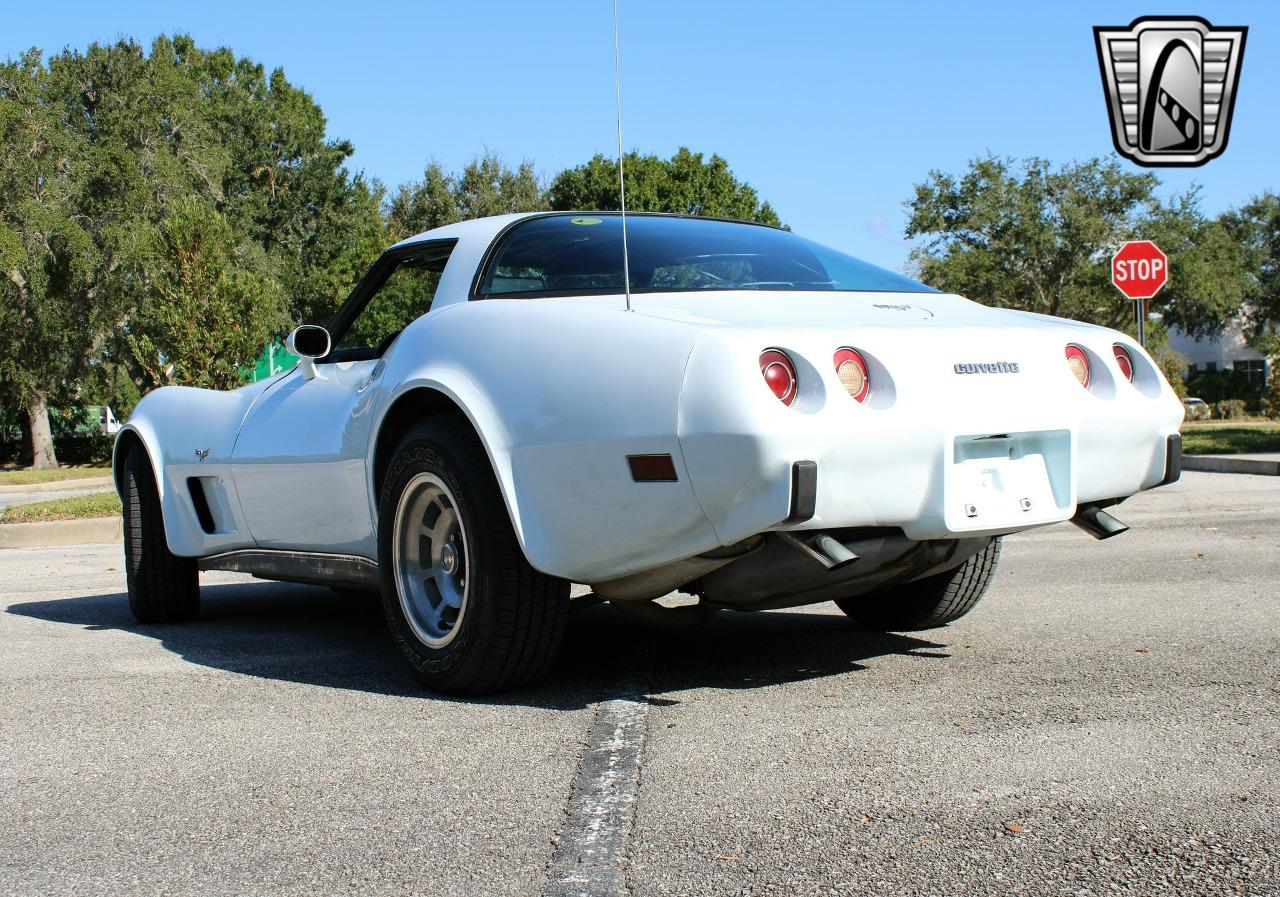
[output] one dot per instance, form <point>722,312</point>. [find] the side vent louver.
<point>200,502</point>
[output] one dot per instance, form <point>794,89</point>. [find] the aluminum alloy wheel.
<point>431,559</point>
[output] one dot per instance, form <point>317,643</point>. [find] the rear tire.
<point>930,602</point>
<point>464,606</point>
<point>163,588</point>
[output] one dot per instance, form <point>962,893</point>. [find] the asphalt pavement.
<point>1106,721</point>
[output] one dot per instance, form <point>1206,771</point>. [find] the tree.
<point>48,258</point>
<point>486,186</point>
<point>1038,238</point>
<point>1256,228</point>
<point>284,186</point>
<point>96,147</point>
<point>685,184</point>
<point>1208,267</point>
<point>106,154</point>
<point>212,306</point>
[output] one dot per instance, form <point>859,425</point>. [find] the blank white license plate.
<point>1008,480</point>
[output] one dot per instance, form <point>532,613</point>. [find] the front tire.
<point>930,602</point>
<point>463,605</point>
<point>163,588</point>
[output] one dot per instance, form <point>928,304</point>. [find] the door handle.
<point>373,375</point>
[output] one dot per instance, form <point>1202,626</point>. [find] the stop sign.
<point>1139,269</point>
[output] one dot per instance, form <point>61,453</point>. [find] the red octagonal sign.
<point>1139,269</point>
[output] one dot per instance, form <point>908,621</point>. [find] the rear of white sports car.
<point>887,437</point>
<point>921,419</point>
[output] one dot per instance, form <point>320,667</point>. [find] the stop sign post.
<point>1139,269</point>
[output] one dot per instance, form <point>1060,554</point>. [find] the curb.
<point>57,485</point>
<point>1227,464</point>
<point>51,533</point>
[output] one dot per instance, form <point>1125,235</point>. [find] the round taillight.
<point>1078,361</point>
<point>852,371</point>
<point>1124,360</point>
<point>780,374</point>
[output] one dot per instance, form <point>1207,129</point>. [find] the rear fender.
<point>560,394</point>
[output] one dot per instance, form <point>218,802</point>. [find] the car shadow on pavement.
<point>316,636</point>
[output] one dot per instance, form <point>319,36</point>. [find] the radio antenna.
<point>622,184</point>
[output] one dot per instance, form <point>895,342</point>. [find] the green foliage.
<point>685,184</point>
<point>1230,409</point>
<point>27,477</point>
<point>1256,228</point>
<point>486,186</point>
<point>405,297</point>
<point>107,381</point>
<point>212,303</point>
<point>1208,275</point>
<point>47,256</point>
<point>1215,386</point>
<point>85,448</point>
<point>96,504</point>
<point>1271,395</point>
<point>1212,439</point>
<point>1171,366</point>
<point>284,186</point>
<point>1038,238</point>
<point>345,238</point>
<point>51,304</point>
<point>180,194</point>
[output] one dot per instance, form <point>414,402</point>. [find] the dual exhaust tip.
<point>831,554</point>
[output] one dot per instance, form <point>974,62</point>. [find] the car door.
<point>299,462</point>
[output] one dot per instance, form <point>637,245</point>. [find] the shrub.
<point>1271,398</point>
<point>1215,386</point>
<point>1171,367</point>
<point>1230,409</point>
<point>1199,412</point>
<point>72,448</point>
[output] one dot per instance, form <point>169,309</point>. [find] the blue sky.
<point>832,110</point>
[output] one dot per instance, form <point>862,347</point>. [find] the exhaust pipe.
<point>1097,522</point>
<point>823,548</point>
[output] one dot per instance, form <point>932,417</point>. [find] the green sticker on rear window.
<point>585,220</point>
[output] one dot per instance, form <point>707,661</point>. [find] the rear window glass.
<point>563,255</point>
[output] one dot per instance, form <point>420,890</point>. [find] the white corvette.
<point>773,423</point>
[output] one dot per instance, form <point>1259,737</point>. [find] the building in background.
<point>1225,352</point>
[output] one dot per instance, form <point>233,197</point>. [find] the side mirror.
<point>309,342</point>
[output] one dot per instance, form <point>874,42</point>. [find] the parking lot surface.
<point>1107,721</point>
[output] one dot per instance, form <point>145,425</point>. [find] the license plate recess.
<point>1006,480</point>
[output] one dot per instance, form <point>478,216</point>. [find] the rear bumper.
<point>922,485</point>
<point>907,459</point>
